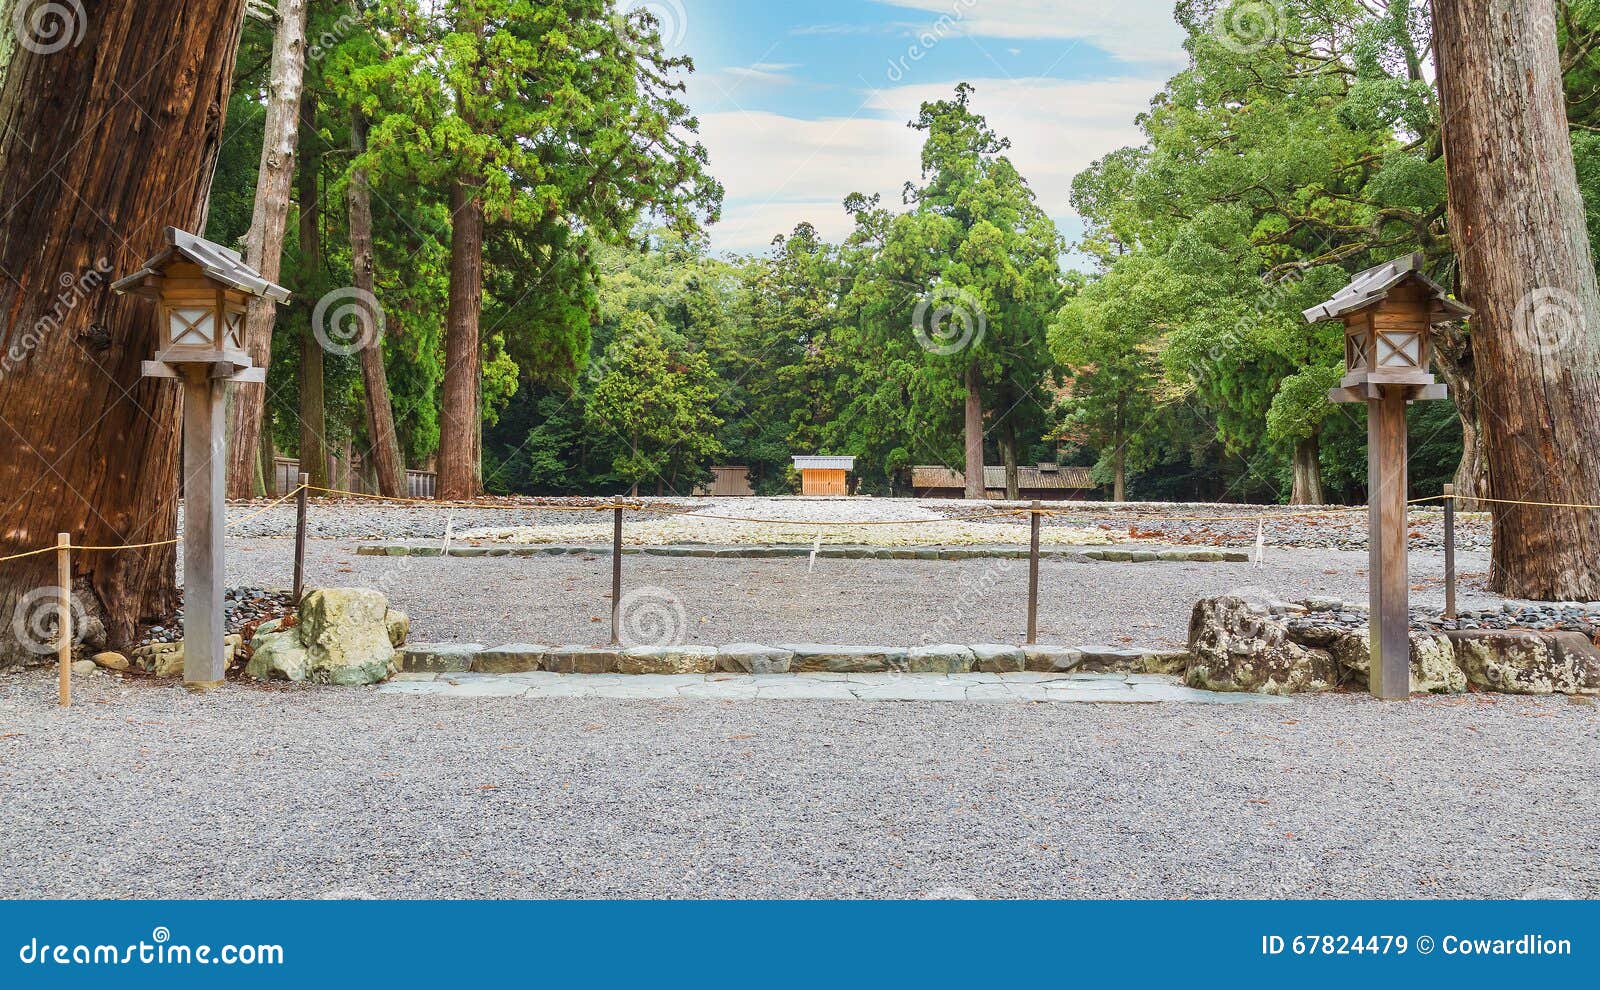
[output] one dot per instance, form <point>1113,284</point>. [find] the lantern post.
<point>1388,314</point>
<point>201,290</point>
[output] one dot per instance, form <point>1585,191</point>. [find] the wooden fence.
<point>348,477</point>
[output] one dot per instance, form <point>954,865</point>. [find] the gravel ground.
<point>566,599</point>
<point>142,790</point>
<point>1181,524</point>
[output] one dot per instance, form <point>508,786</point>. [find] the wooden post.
<point>64,616</point>
<point>204,508</point>
<point>1033,573</point>
<point>616,577</point>
<point>300,539</point>
<point>1450,551</point>
<point>1390,617</point>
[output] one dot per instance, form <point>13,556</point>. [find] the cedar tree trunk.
<point>1307,489</point>
<point>974,432</point>
<point>460,466</point>
<point>263,244</point>
<point>1518,220</point>
<point>384,456</point>
<point>108,134</point>
<point>313,407</point>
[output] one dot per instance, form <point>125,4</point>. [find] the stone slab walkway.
<point>974,687</point>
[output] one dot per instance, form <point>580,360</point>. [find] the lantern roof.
<point>219,263</point>
<point>1373,285</point>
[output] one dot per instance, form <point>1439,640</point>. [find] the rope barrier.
<point>1078,515</point>
<point>53,548</point>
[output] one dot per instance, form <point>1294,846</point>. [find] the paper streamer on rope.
<point>449,527</point>
<point>1261,542</point>
<point>816,547</point>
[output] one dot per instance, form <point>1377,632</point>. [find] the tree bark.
<point>1008,442</point>
<point>313,405</point>
<point>103,144</point>
<point>384,455</point>
<point>1307,487</point>
<point>460,462</point>
<point>1518,219</point>
<point>974,432</point>
<point>263,244</point>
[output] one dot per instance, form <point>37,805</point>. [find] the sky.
<point>802,102</point>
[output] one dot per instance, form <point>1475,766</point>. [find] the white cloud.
<point>1133,30</point>
<point>780,170</point>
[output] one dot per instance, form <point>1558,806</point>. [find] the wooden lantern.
<point>201,291</point>
<point>1389,313</point>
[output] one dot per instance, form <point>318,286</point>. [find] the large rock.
<point>940,659</point>
<point>276,655</point>
<point>1519,662</point>
<point>812,658</point>
<point>753,658</point>
<point>1235,645</point>
<point>667,660</point>
<point>346,635</point>
<point>1433,662</point>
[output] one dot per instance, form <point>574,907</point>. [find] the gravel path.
<point>566,599</point>
<point>142,790</point>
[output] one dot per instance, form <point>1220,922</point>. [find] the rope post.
<point>1450,551</point>
<point>64,615</point>
<point>616,576</point>
<point>1033,573</point>
<point>300,539</point>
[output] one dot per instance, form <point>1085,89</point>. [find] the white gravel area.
<point>142,790</point>
<point>566,599</point>
<point>677,520</point>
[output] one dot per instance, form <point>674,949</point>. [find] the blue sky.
<point>802,103</point>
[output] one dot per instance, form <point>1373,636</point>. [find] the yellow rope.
<point>1513,501</point>
<point>141,546</point>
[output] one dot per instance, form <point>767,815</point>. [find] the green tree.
<point>655,398</point>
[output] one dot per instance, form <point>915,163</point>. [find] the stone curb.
<point>830,553</point>
<point>513,658</point>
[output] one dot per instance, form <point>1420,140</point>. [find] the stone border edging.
<point>831,553</point>
<point>755,658</point>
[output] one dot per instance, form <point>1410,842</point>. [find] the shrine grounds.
<point>143,790</point>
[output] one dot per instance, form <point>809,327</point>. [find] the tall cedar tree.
<point>562,117</point>
<point>91,181</point>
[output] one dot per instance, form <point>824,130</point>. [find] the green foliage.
<point>654,399</point>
